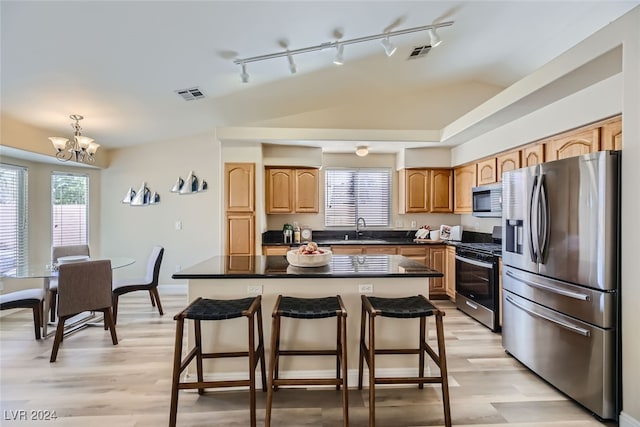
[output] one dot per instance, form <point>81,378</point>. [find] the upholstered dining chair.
<point>28,298</point>
<point>83,286</point>
<point>148,283</point>
<point>56,253</point>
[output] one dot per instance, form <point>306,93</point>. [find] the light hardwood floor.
<point>96,384</point>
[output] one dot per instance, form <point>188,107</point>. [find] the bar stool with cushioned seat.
<point>407,307</point>
<point>213,309</point>
<point>309,308</point>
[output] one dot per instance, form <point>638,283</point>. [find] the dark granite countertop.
<point>369,238</point>
<point>341,266</point>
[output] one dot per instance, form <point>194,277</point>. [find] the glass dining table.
<point>46,272</point>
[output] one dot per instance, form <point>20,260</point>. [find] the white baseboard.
<point>627,420</point>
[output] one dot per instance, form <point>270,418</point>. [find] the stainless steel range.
<point>477,279</point>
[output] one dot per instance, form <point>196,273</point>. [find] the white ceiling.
<point>119,63</point>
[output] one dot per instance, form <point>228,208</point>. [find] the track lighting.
<point>435,38</point>
<point>389,48</point>
<point>292,65</point>
<point>244,75</point>
<point>339,59</point>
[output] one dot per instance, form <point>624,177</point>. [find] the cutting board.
<point>428,241</point>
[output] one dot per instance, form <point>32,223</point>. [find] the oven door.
<point>476,280</point>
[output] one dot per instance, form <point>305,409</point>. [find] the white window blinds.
<point>13,218</point>
<point>69,209</point>
<point>354,193</point>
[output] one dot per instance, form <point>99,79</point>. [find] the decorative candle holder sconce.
<point>143,197</point>
<point>189,186</point>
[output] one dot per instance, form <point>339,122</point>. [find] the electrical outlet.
<point>178,225</point>
<point>414,224</point>
<point>366,288</point>
<point>178,268</point>
<point>254,289</point>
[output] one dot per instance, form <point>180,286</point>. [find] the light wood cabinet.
<point>450,273</point>
<point>611,134</point>
<point>291,190</point>
<point>441,197</point>
<point>464,179</point>
<point>380,250</point>
<point>416,253</point>
<point>306,191</point>
<point>437,261</point>
<point>239,187</point>
<point>573,144</point>
<point>347,250</point>
<point>486,170</point>
<point>414,190</point>
<point>275,250</point>
<point>279,190</point>
<point>532,154</point>
<point>506,162</point>
<point>425,190</point>
<point>240,234</point>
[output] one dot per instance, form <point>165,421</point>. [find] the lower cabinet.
<point>435,257</point>
<point>450,273</point>
<point>275,250</point>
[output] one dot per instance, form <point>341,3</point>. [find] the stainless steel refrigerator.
<point>561,234</point>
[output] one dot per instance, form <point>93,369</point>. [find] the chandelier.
<point>81,149</point>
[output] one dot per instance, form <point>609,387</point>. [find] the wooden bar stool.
<point>408,307</point>
<point>210,309</point>
<point>309,308</point>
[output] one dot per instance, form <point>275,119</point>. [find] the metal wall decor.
<point>143,197</point>
<point>189,186</point>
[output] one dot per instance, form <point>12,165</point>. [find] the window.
<point>70,208</point>
<point>13,218</point>
<point>354,193</point>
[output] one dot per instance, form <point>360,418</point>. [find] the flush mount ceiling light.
<point>389,48</point>
<point>82,149</point>
<point>362,150</point>
<point>339,46</point>
<point>435,38</point>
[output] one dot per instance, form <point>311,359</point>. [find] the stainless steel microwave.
<point>487,200</point>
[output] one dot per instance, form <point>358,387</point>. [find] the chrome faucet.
<point>364,224</point>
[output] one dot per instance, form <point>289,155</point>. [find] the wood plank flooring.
<point>94,383</point>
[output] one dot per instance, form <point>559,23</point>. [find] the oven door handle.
<point>577,330</point>
<point>574,295</point>
<point>474,262</point>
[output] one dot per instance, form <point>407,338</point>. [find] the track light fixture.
<point>339,59</point>
<point>244,75</point>
<point>292,65</point>
<point>389,48</point>
<point>435,38</point>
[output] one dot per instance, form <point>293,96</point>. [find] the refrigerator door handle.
<point>533,223</point>
<point>574,295</point>
<point>544,218</point>
<point>572,328</point>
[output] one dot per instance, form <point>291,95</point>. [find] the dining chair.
<point>58,252</point>
<point>27,298</point>
<point>148,283</point>
<point>83,286</point>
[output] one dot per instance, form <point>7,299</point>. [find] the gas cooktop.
<point>492,248</point>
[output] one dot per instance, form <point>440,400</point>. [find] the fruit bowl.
<point>309,260</point>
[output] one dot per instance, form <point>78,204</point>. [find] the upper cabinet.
<point>426,190</point>
<point>487,171</point>
<point>239,187</point>
<point>611,134</point>
<point>532,154</point>
<point>573,144</point>
<point>291,190</point>
<point>464,178</point>
<point>506,162</point>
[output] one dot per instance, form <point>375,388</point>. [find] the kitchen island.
<point>227,277</point>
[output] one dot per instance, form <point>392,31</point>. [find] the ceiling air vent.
<point>419,51</point>
<point>190,94</point>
